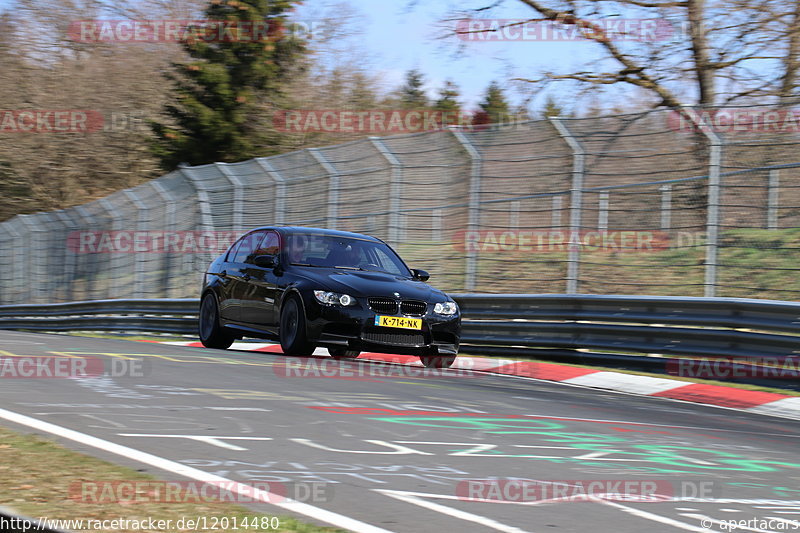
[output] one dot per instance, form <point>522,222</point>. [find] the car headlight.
<point>332,298</point>
<point>446,308</point>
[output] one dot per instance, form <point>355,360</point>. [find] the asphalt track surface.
<point>395,450</point>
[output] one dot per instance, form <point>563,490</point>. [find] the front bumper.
<point>354,327</point>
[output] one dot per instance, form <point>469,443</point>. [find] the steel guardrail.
<point>633,332</point>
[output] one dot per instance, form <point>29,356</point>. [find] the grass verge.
<point>37,476</point>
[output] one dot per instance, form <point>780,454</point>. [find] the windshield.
<point>329,251</point>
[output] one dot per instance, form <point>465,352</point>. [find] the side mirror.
<point>266,261</point>
<point>420,274</point>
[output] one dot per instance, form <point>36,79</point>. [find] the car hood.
<point>358,283</point>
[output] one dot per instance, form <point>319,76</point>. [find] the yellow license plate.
<point>398,322</point>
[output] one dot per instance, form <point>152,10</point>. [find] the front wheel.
<point>212,334</point>
<point>343,353</point>
<point>293,329</point>
<point>437,361</point>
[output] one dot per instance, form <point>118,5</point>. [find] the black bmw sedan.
<point>309,288</point>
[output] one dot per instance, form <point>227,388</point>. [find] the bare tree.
<point>732,51</point>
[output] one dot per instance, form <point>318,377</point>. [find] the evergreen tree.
<point>412,94</point>
<point>494,109</point>
<point>552,108</point>
<point>448,104</point>
<point>223,93</point>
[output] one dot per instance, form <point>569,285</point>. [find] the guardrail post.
<point>474,223</point>
<point>602,211</point>
<point>238,196</point>
<point>773,198</point>
<point>138,286</point>
<point>578,167</point>
<point>712,217</point>
<point>333,187</point>
<point>666,207</point>
<point>396,229</point>
<point>280,189</point>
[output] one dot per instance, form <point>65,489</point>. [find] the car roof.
<point>287,230</point>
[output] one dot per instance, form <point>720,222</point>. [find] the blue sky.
<point>401,38</point>
<point>397,38</point>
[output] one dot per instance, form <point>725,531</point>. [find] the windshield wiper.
<point>349,268</point>
<point>308,265</point>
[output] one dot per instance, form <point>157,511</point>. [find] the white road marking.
<point>657,518</point>
<point>155,461</point>
<point>208,439</point>
<point>416,498</point>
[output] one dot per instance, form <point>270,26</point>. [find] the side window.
<point>248,246</point>
<point>270,245</point>
<point>232,251</point>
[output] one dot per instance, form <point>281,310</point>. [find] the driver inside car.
<point>297,248</point>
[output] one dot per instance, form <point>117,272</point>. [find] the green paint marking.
<point>597,448</point>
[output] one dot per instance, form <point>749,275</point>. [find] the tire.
<point>293,329</point>
<point>437,361</point>
<point>211,334</point>
<point>343,353</point>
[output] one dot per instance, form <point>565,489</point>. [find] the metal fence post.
<point>115,284</point>
<point>773,198</point>
<point>238,196</point>
<point>513,216</point>
<point>204,203</point>
<point>333,187</point>
<point>578,164</point>
<point>602,211</point>
<point>18,266</point>
<point>91,260</point>
<point>202,199</point>
<point>141,208</point>
<point>171,222</point>
<point>69,255</point>
<point>666,207</point>
<point>280,192</point>
<point>396,231</point>
<point>557,206</point>
<point>6,263</point>
<point>712,217</point>
<point>37,260</point>
<point>474,223</point>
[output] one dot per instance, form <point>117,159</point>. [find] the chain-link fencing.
<point>701,202</point>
